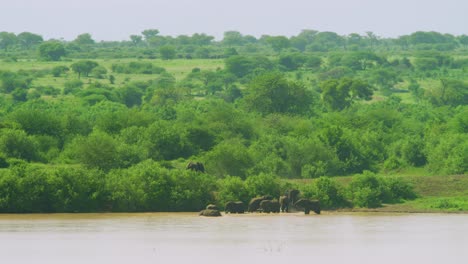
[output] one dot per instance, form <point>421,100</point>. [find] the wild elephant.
<point>284,203</point>
<point>308,205</point>
<point>195,166</point>
<point>210,212</point>
<point>254,204</point>
<point>234,207</point>
<point>293,195</point>
<point>212,207</point>
<point>270,206</point>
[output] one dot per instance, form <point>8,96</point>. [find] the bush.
<point>330,194</point>
<point>263,184</point>
<point>369,190</point>
<point>232,188</point>
<point>72,86</point>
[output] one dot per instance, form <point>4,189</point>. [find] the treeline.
<point>150,44</point>
<point>148,186</point>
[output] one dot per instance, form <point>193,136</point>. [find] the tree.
<point>84,39</point>
<point>7,39</point>
<point>463,39</point>
<point>339,94</point>
<point>17,144</point>
<point>278,43</point>
<point>98,150</point>
<point>149,34</point>
<point>449,92</point>
<point>232,38</point>
<point>28,40</point>
<point>167,52</point>
<point>84,67</point>
<point>136,39</point>
<point>273,93</point>
<point>51,50</point>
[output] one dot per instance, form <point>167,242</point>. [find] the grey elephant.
<point>270,206</point>
<point>195,166</point>
<point>284,203</point>
<point>234,207</point>
<point>254,204</point>
<point>210,212</point>
<point>293,195</point>
<point>308,205</point>
<point>212,207</point>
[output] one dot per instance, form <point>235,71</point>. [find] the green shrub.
<point>263,184</point>
<point>327,190</point>
<point>370,190</point>
<point>232,188</point>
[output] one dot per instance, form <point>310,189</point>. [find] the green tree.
<point>136,39</point>
<point>229,158</point>
<point>98,150</point>
<point>340,94</point>
<point>84,67</point>
<point>27,40</point>
<point>7,40</point>
<point>233,38</point>
<point>17,144</point>
<point>167,52</point>
<point>273,93</point>
<point>149,34</point>
<point>278,43</point>
<point>84,39</point>
<point>449,92</point>
<point>51,50</point>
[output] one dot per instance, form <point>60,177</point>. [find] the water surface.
<point>249,238</point>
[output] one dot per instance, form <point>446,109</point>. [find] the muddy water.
<point>188,238</point>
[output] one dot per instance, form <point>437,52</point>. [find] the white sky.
<point>118,19</point>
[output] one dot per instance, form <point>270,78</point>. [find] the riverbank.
<point>436,194</point>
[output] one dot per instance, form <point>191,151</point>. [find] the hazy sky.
<point>118,19</point>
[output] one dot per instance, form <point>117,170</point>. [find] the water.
<point>188,238</point>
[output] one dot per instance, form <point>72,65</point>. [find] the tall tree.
<point>340,94</point>
<point>7,40</point>
<point>273,93</point>
<point>83,67</point>
<point>28,40</point>
<point>51,50</point>
<point>150,33</point>
<point>84,39</point>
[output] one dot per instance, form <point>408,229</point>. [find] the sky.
<point>118,19</point>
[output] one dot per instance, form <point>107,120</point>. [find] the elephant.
<point>270,206</point>
<point>234,207</point>
<point>195,166</point>
<point>254,204</point>
<point>284,203</point>
<point>293,195</point>
<point>308,205</point>
<point>212,207</point>
<point>210,212</point>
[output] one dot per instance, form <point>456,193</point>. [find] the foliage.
<point>369,190</point>
<point>254,111</point>
<point>51,50</point>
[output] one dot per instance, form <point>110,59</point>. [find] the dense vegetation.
<point>109,126</point>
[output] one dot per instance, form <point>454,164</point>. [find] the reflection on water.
<point>188,238</point>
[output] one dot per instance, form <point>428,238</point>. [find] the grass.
<point>179,68</point>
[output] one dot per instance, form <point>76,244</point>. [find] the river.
<point>250,238</point>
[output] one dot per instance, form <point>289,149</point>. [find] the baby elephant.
<point>308,205</point>
<point>234,207</point>
<point>270,206</point>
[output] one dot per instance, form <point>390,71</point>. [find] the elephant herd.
<point>267,204</point>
